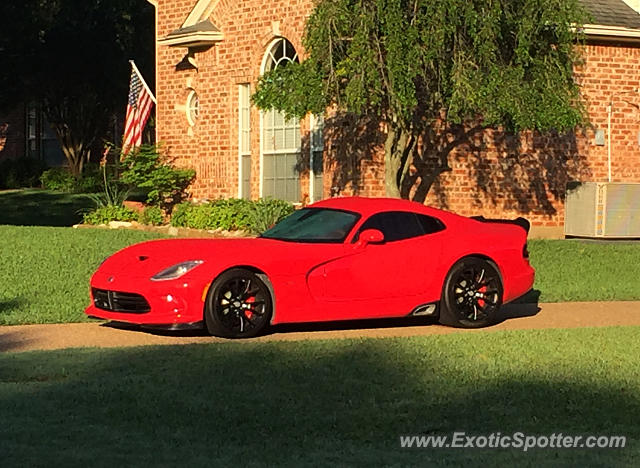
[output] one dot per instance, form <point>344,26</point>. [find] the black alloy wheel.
<point>239,305</point>
<point>472,294</point>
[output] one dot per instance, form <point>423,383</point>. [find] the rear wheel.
<point>472,294</point>
<point>239,305</point>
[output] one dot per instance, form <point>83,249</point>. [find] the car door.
<point>394,269</point>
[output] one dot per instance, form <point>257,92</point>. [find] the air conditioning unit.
<point>603,209</point>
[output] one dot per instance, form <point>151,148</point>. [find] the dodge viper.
<point>338,259</point>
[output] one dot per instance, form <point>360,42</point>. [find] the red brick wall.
<point>503,177</point>
<point>613,74</point>
<point>211,147</point>
<point>534,183</point>
<point>529,176</point>
<point>12,137</point>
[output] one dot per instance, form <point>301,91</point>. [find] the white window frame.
<point>244,92</point>
<point>267,59</point>
<point>192,111</point>
<point>316,124</point>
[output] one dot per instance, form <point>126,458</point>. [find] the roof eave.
<point>195,39</point>
<point>611,33</point>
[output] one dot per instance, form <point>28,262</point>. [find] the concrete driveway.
<point>514,317</point>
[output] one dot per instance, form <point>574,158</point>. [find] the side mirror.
<point>371,236</point>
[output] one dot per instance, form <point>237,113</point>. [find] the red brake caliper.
<point>248,312</point>
<point>482,302</point>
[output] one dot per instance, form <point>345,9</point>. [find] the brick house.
<point>209,54</point>
<point>24,131</point>
<point>12,134</point>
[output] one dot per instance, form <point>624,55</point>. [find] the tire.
<point>472,294</point>
<point>239,305</point>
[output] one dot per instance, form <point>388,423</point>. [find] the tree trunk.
<point>433,159</point>
<point>77,122</point>
<point>391,165</point>
<point>75,151</point>
<point>398,153</point>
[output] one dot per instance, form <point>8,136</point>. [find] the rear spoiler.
<point>522,222</point>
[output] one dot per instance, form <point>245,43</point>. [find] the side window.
<point>395,225</point>
<point>430,224</point>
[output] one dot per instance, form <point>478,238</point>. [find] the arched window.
<point>192,107</point>
<point>280,138</point>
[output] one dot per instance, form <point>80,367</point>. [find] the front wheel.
<point>239,305</point>
<point>472,294</point>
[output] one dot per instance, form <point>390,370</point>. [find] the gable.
<point>201,12</point>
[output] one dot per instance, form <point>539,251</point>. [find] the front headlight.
<point>176,271</point>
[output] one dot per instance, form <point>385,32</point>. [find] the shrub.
<point>200,217</point>
<point>91,179</point>
<point>20,172</point>
<point>228,214</point>
<point>231,214</point>
<point>264,213</point>
<point>108,213</point>
<point>87,184</point>
<point>112,191</point>
<point>58,179</point>
<point>179,214</point>
<point>152,215</point>
<point>113,194</point>
<point>147,169</point>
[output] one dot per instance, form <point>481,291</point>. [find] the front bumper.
<point>169,302</point>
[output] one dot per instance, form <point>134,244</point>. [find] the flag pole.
<point>144,83</point>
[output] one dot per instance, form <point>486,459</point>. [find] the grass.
<point>45,271</point>
<point>34,207</point>
<point>578,270</point>
<point>323,403</point>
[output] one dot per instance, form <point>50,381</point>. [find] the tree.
<point>435,73</point>
<point>72,57</point>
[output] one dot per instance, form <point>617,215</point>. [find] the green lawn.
<point>45,271</point>
<point>578,270</point>
<point>34,207</point>
<point>323,403</point>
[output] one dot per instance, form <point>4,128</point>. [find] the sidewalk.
<point>516,317</point>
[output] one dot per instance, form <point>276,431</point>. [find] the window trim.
<point>192,112</point>
<point>316,124</point>
<point>241,88</point>
<point>266,58</point>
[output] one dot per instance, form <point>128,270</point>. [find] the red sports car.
<point>338,259</point>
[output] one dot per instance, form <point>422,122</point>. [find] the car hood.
<point>272,256</point>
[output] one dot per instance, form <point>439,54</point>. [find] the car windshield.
<point>314,225</point>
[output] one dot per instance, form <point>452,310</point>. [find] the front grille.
<point>115,301</point>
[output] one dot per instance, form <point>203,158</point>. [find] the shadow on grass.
<point>11,304</point>
<point>35,207</point>
<point>532,297</point>
<point>340,402</point>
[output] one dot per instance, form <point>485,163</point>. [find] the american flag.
<point>138,110</point>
